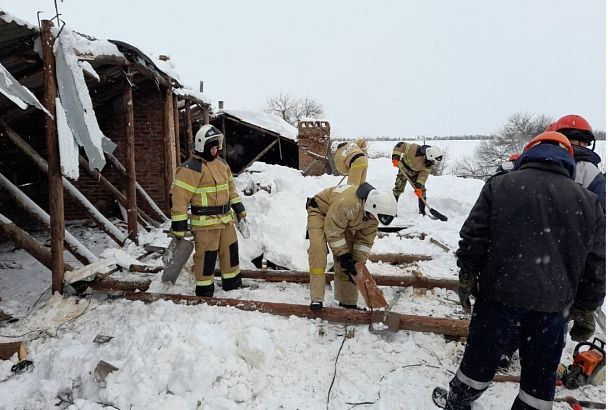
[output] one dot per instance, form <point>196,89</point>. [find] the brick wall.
<point>313,136</point>
<point>149,154</point>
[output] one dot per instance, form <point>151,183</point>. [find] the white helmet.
<point>381,204</point>
<point>433,154</point>
<point>205,135</point>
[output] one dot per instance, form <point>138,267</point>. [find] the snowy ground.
<point>187,357</point>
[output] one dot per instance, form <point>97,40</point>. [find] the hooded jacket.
<point>535,239</point>
<point>588,173</point>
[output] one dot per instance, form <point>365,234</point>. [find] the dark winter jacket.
<point>588,174</point>
<point>535,239</point>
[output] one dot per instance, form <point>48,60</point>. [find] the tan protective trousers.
<point>208,245</point>
<point>344,290</point>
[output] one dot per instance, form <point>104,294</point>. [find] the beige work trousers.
<point>211,243</point>
<point>344,290</point>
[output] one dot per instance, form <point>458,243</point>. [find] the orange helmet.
<point>571,121</point>
<point>551,136</point>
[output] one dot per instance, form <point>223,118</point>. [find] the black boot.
<point>316,305</point>
<point>206,290</point>
<point>347,306</point>
<point>232,283</point>
<point>461,395</point>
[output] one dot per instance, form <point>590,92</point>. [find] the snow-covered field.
<point>200,357</point>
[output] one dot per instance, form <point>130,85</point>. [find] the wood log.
<point>145,268</point>
<point>188,123</point>
<point>114,284</point>
<point>168,139</point>
<point>450,327</point>
<point>368,288</point>
<point>7,350</point>
<point>101,221</point>
<point>257,157</point>
<point>381,280</point>
<point>178,158</point>
<point>54,167</point>
<point>23,240</point>
<point>131,203</point>
<point>73,245</point>
<point>121,169</point>
<point>398,258</point>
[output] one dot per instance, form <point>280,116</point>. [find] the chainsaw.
<point>588,366</point>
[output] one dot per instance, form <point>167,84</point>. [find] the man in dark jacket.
<point>533,249</point>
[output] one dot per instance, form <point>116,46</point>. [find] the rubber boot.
<point>232,283</point>
<point>206,291</point>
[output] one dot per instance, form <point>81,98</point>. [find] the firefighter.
<point>414,162</point>
<point>204,184</point>
<point>346,218</point>
<point>351,160</point>
<point>532,249</point>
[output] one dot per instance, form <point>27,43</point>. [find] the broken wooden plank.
<point>7,350</point>
<point>89,272</point>
<point>381,280</point>
<point>450,327</point>
<point>368,288</point>
<point>110,283</point>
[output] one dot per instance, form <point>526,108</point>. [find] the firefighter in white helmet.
<point>351,159</point>
<point>414,162</point>
<point>204,184</point>
<point>346,218</point>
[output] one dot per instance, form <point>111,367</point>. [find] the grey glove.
<point>584,325</point>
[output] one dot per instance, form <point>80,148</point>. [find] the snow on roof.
<point>7,17</point>
<point>267,121</point>
<point>189,92</point>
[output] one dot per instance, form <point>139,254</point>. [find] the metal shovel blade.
<point>175,257</point>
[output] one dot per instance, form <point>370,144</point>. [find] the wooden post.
<point>168,142</point>
<point>178,151</point>
<point>205,115</point>
<point>23,240</point>
<point>127,102</point>
<point>188,123</point>
<point>52,145</point>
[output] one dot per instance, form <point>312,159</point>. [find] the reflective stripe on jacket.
<point>199,183</point>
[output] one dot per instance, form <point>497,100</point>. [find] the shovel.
<point>434,214</point>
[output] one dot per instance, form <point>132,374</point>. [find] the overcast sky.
<point>397,68</point>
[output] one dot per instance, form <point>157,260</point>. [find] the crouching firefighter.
<point>346,218</point>
<point>204,183</point>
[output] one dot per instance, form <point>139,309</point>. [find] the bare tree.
<point>511,138</point>
<point>291,108</point>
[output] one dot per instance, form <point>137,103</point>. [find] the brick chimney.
<point>313,136</point>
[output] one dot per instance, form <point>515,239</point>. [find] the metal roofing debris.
<point>17,93</point>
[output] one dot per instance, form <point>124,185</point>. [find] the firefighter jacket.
<point>412,162</point>
<point>351,160</point>
<point>342,207</point>
<point>535,239</point>
<point>204,192</point>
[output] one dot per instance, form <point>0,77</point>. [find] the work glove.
<point>243,226</point>
<point>421,206</point>
<point>177,234</point>
<point>467,284</point>
<point>419,192</point>
<point>241,215</point>
<point>347,264</point>
<point>396,163</point>
<point>584,324</point>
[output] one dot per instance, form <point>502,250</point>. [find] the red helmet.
<point>571,121</point>
<point>550,127</point>
<point>551,136</point>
